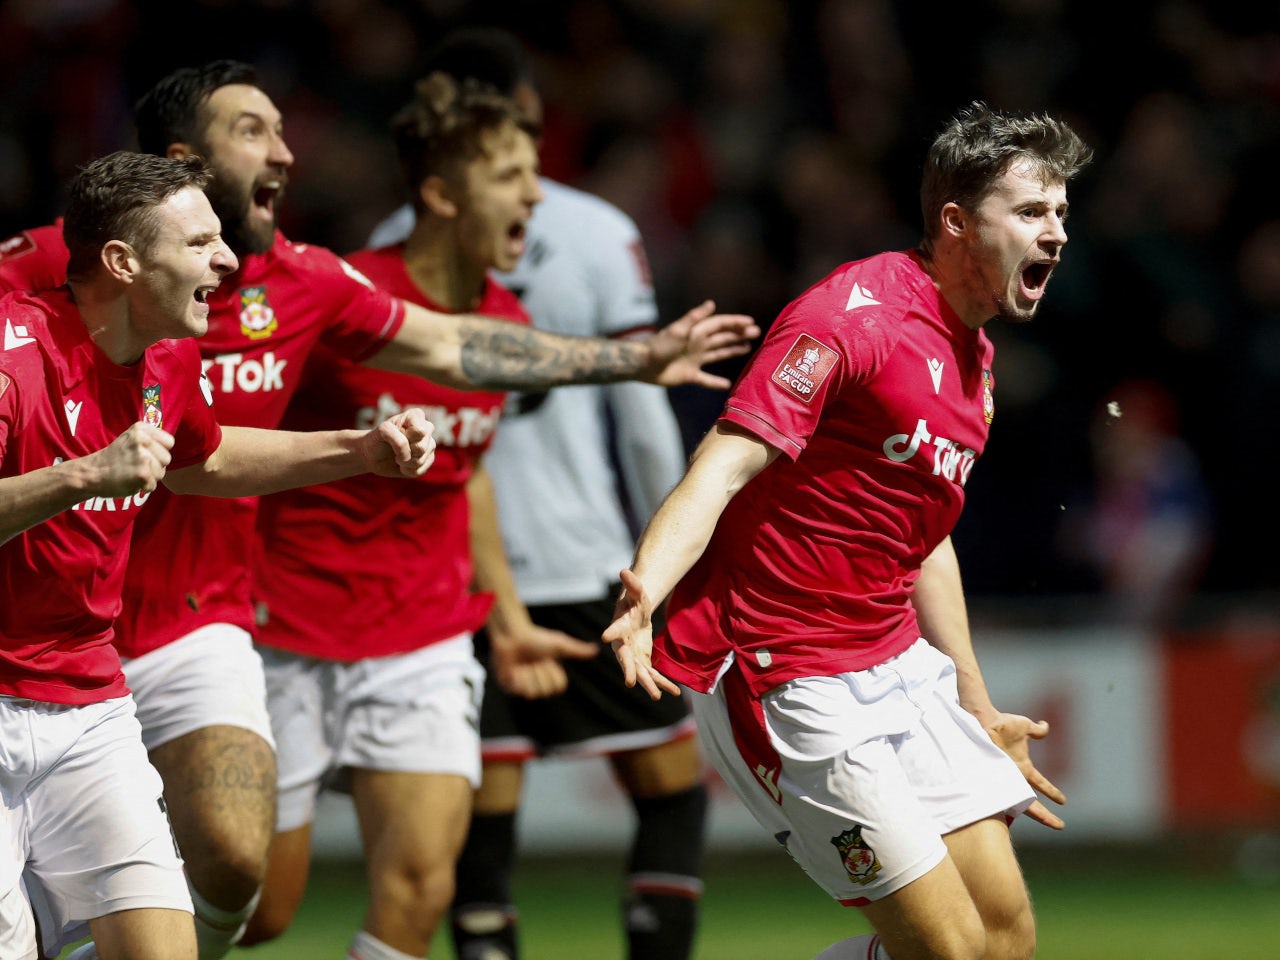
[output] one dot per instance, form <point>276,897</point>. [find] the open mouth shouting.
<point>1035,277</point>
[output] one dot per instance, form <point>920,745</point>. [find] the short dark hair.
<point>487,54</point>
<point>445,123</point>
<point>975,149</point>
<point>173,111</point>
<point>112,198</point>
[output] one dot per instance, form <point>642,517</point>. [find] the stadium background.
<point>758,143</point>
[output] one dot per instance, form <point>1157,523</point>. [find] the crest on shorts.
<point>151,412</point>
<point>860,861</point>
<point>257,319</point>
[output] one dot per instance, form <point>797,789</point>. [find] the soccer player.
<point>367,643</point>
<point>101,400</point>
<point>566,534</point>
<point>184,629</point>
<point>807,552</point>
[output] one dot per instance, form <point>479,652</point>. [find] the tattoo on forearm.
<point>507,356</point>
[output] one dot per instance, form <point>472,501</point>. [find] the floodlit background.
<point>1119,543</point>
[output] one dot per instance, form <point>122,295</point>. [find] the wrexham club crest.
<point>860,861</point>
<point>257,319</point>
<point>151,412</point>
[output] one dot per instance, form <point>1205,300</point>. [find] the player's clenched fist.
<point>133,462</point>
<point>400,446</point>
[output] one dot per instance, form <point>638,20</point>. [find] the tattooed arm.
<point>468,351</point>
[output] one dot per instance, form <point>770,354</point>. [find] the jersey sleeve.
<point>33,260</point>
<point>811,353</point>
<point>365,318</point>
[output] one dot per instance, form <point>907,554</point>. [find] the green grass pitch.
<point>1100,905</point>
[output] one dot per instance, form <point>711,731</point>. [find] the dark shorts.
<point>597,715</point>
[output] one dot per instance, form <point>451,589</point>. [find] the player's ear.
<point>437,196</point>
<point>120,260</point>
<point>954,220</point>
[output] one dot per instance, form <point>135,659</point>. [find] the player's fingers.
<point>1042,784</point>
<point>649,685</point>
<point>626,662</point>
<point>574,649</point>
<point>710,381</point>
<point>665,682</point>
<point>695,314</point>
<point>1042,814</point>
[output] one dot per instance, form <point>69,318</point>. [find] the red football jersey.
<point>34,260</point>
<point>880,399</point>
<point>373,566</point>
<point>264,321</point>
<point>61,398</point>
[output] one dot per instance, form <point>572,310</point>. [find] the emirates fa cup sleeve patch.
<point>805,366</point>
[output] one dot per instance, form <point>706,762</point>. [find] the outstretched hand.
<point>631,636</point>
<point>527,664</point>
<point>400,446</point>
<point>1012,733</point>
<point>701,337</point>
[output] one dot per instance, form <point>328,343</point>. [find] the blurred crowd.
<point>759,143</point>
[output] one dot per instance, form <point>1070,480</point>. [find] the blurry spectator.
<point>1144,529</point>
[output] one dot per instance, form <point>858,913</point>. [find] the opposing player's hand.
<point>133,462</point>
<point>1012,733</point>
<point>631,636</point>
<point>400,446</point>
<point>527,663</point>
<point>699,338</point>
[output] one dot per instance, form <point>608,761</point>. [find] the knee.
<point>230,868</point>
<point>420,893</point>
<point>270,919</point>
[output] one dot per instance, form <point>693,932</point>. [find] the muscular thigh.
<point>218,780</point>
<point>415,820</point>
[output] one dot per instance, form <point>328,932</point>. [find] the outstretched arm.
<point>674,539</point>
<point>468,352</point>
<point>253,462</point>
<point>944,622</point>
<point>525,657</point>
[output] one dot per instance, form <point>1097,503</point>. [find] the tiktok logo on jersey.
<point>948,459</point>
<point>248,376</point>
<point>462,427</point>
<point>112,504</point>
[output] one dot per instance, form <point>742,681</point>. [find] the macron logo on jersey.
<point>73,414</point>
<point>805,367</point>
<point>935,371</point>
<point>15,337</point>
<point>860,296</point>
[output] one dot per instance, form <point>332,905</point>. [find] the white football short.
<point>17,927</point>
<point>211,677</point>
<point>860,775</point>
<point>84,808</point>
<point>416,712</point>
